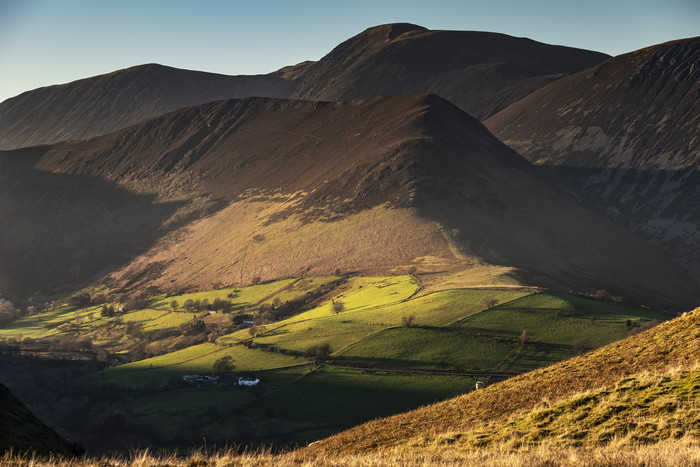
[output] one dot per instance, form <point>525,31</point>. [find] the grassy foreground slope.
<point>673,344</point>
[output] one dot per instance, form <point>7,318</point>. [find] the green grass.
<point>165,405</point>
<point>489,340</point>
<point>360,294</point>
<point>46,323</point>
<point>242,297</point>
<point>434,348</point>
<point>160,371</point>
<point>345,397</point>
<point>300,287</point>
<point>599,322</point>
<point>452,330</point>
<point>321,325</point>
<point>366,292</point>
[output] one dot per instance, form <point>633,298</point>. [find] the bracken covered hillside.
<point>229,191</point>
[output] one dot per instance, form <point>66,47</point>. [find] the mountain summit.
<point>480,72</point>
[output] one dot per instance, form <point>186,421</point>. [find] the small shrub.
<point>81,299</point>
<point>581,345</point>
<point>408,321</point>
<point>489,301</point>
<point>256,330</point>
<point>524,338</point>
<point>337,306</point>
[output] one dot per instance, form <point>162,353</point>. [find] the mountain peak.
<point>391,30</point>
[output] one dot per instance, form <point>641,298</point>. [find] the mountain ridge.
<point>621,137</point>
<point>480,72</point>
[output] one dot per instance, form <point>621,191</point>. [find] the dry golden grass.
<point>682,452</point>
<point>644,409</point>
<point>211,250</point>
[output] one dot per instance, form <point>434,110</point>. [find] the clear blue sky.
<point>45,42</point>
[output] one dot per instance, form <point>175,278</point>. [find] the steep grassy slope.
<point>383,183</point>
<point>106,103</point>
<point>622,137</point>
<point>644,408</point>
<point>480,72</point>
<point>672,344</point>
<point>21,431</point>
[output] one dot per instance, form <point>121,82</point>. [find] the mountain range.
<point>478,71</point>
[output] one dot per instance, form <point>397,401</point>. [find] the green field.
<point>334,398</point>
<point>321,325</point>
<point>161,371</point>
<point>390,352</point>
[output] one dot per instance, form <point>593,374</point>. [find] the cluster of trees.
<point>108,311</point>
<point>322,351</point>
<point>8,312</point>
<point>203,305</point>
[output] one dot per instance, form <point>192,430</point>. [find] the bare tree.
<point>524,338</point>
<point>581,345</point>
<point>223,365</point>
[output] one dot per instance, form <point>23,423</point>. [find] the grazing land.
<point>330,352</point>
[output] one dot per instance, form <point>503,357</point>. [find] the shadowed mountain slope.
<point>672,345</point>
<point>634,111</point>
<point>105,103</point>
<point>622,137</point>
<point>480,72</point>
<point>21,431</point>
<point>229,191</point>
